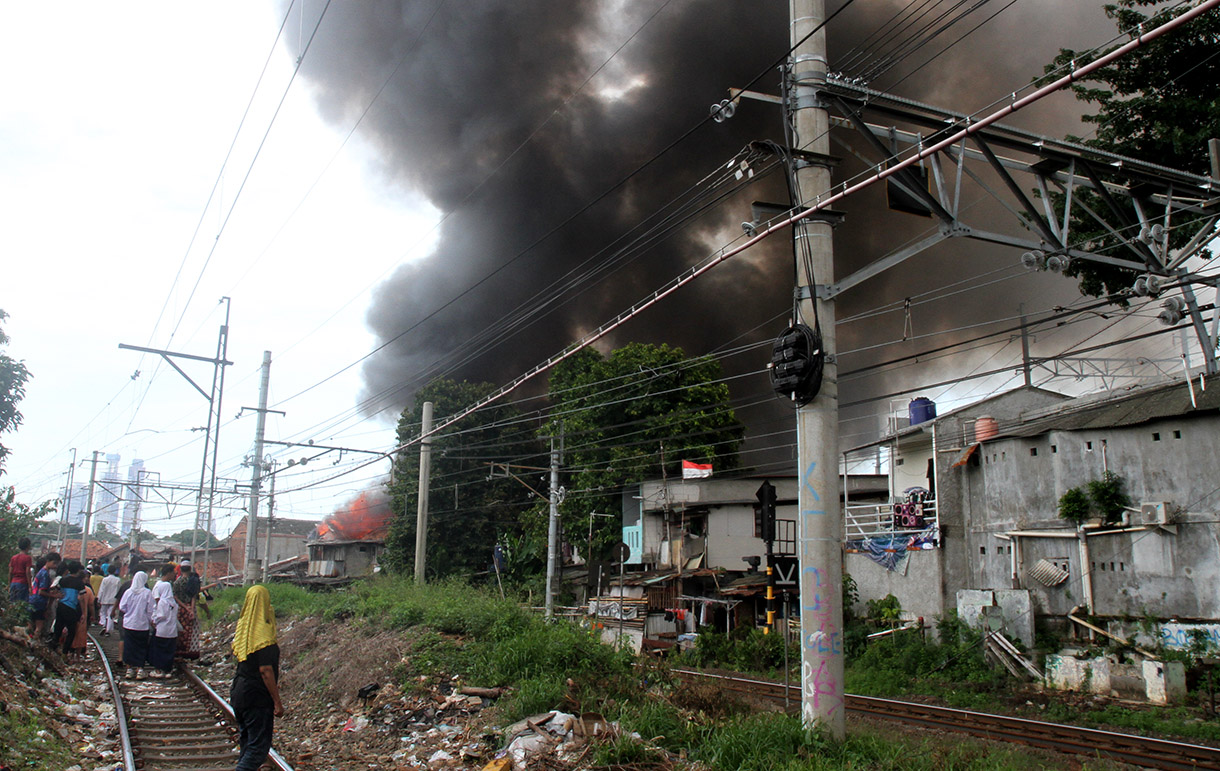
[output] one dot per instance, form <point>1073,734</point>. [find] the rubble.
<point>432,721</point>
<point>72,703</point>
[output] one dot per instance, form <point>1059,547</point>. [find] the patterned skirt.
<point>188,635</point>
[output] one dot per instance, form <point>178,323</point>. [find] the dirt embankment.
<point>344,707</point>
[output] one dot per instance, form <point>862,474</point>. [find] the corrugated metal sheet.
<point>1047,574</point>
<point>1125,409</point>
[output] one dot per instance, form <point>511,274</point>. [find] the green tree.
<point>1158,103</point>
<point>18,519</point>
<point>470,510</point>
<point>626,415</point>
<point>13,377</point>
<point>203,539</point>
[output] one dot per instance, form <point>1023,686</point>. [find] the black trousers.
<point>65,619</point>
<point>256,725</point>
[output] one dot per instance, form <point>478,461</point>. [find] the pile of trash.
<point>552,736</point>
<point>72,706</point>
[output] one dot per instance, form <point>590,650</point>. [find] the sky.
<point>115,123</point>
<point>130,210</point>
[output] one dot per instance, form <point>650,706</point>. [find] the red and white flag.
<point>692,470</point>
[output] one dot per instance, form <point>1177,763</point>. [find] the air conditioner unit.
<point>1154,513</point>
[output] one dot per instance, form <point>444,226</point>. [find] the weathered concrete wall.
<point>1007,611</point>
<point>1160,682</point>
<point>1067,673</point>
<point>965,511</point>
<point>918,589</point>
<point>1018,483</point>
<point>1164,681</point>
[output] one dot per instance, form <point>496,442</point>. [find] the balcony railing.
<point>890,520</point>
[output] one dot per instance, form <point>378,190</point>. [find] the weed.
<point>623,751</point>
<point>759,742</point>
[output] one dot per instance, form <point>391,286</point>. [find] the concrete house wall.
<point>1132,573</point>
<point>928,583</point>
<point>1047,445</point>
<point>724,508</point>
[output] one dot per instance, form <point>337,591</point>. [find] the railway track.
<point>172,724</point>
<point>1141,751</point>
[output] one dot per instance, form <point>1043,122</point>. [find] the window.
<point>1088,446</point>
<point>1177,434</point>
<point>898,462</point>
<point>982,550</point>
<point>1156,436</point>
<point>1033,452</point>
<point>1054,449</point>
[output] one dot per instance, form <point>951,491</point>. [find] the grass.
<point>455,629</point>
<point>1175,721</point>
<point>30,741</point>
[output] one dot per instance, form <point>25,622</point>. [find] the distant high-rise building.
<point>75,504</point>
<point>135,496</point>
<point>106,498</point>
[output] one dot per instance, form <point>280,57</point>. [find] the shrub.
<point>1074,506</point>
<point>1108,496</point>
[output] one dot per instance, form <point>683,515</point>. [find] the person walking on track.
<point>136,607</point>
<point>255,694</point>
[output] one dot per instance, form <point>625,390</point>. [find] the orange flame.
<point>364,518</point>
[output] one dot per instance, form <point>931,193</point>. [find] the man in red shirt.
<point>20,573</point>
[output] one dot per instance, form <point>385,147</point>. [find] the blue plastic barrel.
<point>922,410</point>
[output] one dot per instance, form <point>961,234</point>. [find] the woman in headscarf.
<point>136,607</point>
<point>255,695</point>
<point>165,625</point>
<point>186,592</point>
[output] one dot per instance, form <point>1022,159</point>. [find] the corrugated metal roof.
<point>1131,408</point>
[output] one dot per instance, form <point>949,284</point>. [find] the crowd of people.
<point>156,612</point>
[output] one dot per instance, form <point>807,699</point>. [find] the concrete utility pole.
<point>63,518</point>
<point>820,525</point>
<point>252,570</point>
<point>84,536</point>
<point>421,512</point>
<point>132,542</point>
<point>270,524</point>
<point>1025,347</point>
<point>552,532</point>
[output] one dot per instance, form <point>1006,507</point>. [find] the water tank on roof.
<point>921,410</point>
<point>985,428</point>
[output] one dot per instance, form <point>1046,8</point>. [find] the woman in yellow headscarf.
<point>255,695</point>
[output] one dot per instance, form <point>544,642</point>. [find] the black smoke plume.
<point>489,116</point>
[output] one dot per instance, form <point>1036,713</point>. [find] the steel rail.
<point>167,735</point>
<point>220,703</point>
<point>1146,752</point>
<point>120,714</point>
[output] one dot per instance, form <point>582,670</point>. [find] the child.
<point>41,594</point>
<point>68,614</point>
<point>20,572</point>
<point>107,598</point>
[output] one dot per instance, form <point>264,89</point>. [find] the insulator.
<point>1035,260</point>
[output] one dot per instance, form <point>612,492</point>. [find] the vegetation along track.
<point>171,724</point>
<point>1126,748</point>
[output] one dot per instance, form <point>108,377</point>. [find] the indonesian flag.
<point>692,470</point>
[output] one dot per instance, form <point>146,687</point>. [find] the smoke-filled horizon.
<point>488,115</point>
